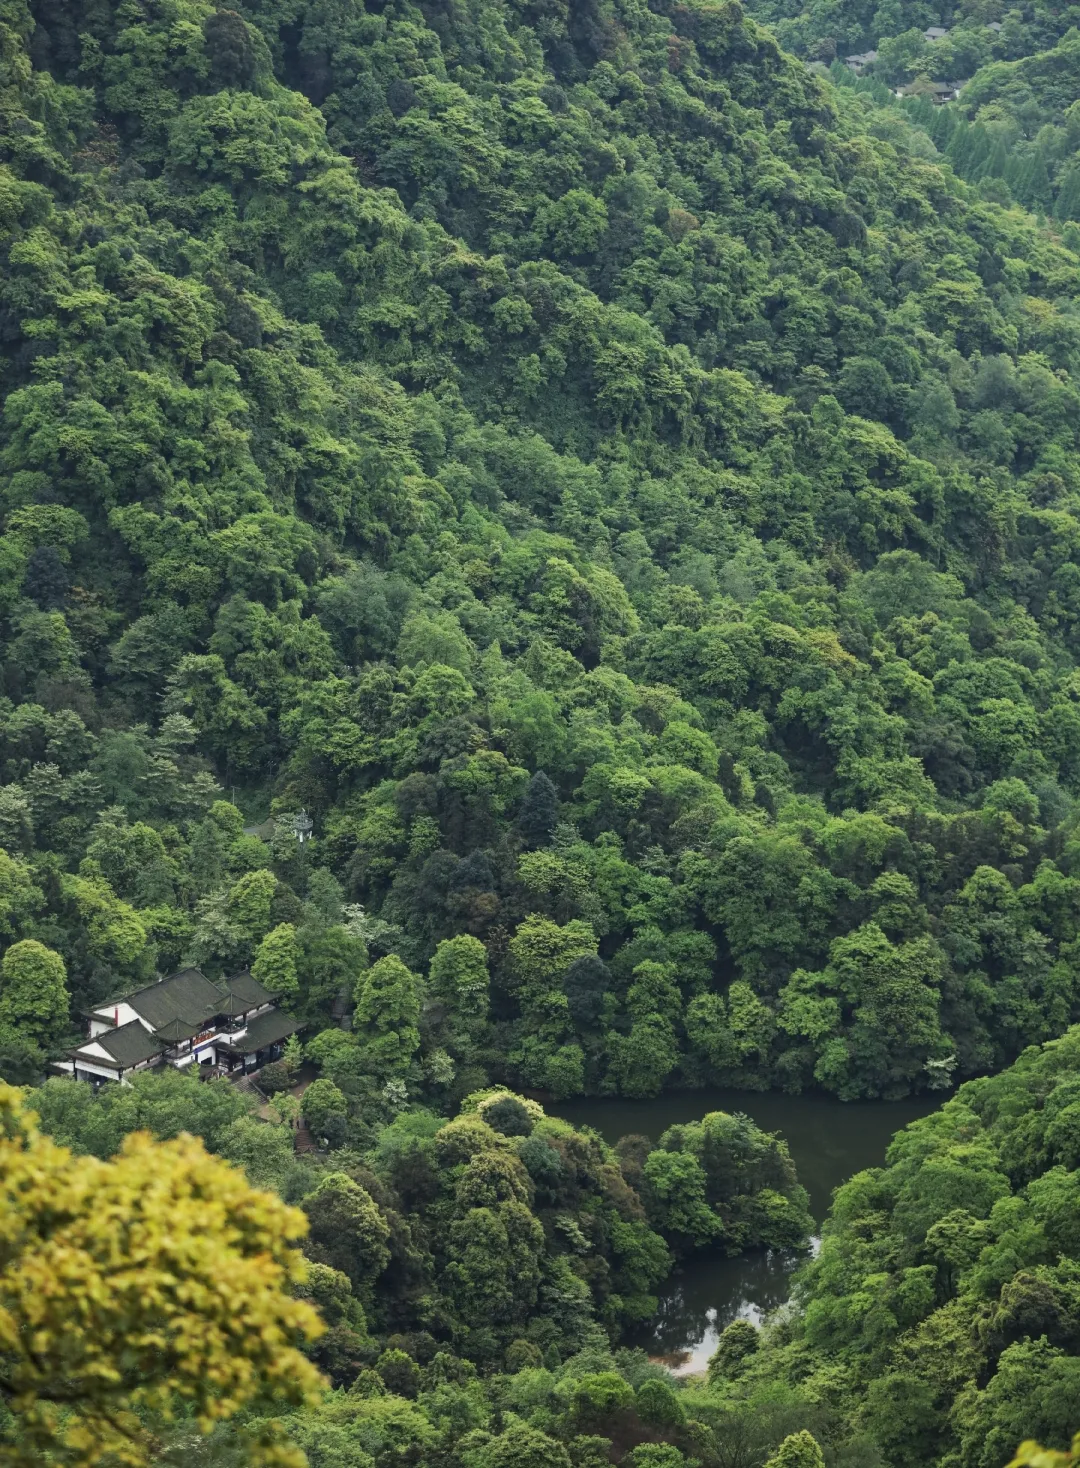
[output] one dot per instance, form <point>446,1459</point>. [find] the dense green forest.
<point>476,1274</point>
<point>941,1316</point>
<point>623,485</point>
<point>628,506</point>
<point>1015,131</point>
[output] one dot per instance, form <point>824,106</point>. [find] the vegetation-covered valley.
<point>622,485</point>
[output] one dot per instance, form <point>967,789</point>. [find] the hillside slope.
<point>633,511</point>
<point>940,1320</point>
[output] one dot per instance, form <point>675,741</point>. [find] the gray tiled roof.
<point>129,1045</point>
<point>179,1006</point>
<point>174,1031</point>
<point>248,990</point>
<point>265,1029</point>
<point>188,995</point>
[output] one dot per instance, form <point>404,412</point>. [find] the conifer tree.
<point>539,811</point>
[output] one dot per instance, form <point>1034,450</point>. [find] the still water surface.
<point>830,1140</point>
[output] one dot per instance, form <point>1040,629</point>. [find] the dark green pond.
<point>830,1140</point>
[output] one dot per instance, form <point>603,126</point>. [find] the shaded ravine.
<point>830,1141</point>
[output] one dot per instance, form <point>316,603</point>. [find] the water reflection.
<point>698,1301</point>
<point>830,1141</point>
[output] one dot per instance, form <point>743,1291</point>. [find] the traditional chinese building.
<point>860,61</point>
<point>185,1019</point>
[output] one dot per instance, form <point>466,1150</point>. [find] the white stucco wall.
<point>124,1015</point>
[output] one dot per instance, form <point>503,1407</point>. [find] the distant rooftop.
<point>179,1006</point>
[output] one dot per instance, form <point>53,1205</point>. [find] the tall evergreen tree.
<point>539,811</point>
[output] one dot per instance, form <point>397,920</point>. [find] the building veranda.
<point>230,1024</point>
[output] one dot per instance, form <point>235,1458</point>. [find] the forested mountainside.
<point>942,41</point>
<point>475,1276</point>
<point>1015,130</point>
<point>627,505</point>
<point>622,488</point>
<point>940,1317</point>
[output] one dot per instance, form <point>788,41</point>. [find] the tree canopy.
<point>621,490</point>
<point>618,479</point>
<point>129,1286</point>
